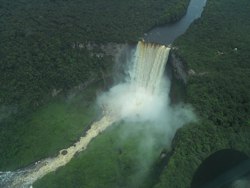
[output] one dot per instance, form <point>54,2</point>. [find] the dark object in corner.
<point>221,169</point>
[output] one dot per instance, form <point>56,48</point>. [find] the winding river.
<point>168,33</point>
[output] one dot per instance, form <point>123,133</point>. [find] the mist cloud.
<point>131,102</point>
<point>150,115</point>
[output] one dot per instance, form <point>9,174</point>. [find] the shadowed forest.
<point>37,40</point>
<point>215,50</point>
<point>44,50</point>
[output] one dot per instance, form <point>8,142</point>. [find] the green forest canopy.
<point>216,48</point>
<point>40,53</point>
<point>37,39</point>
<point>36,55</point>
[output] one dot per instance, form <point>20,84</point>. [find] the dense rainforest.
<point>37,40</point>
<point>44,51</point>
<point>39,52</point>
<point>216,52</point>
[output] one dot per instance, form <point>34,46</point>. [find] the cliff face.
<point>179,68</point>
<point>217,59</point>
<point>178,73</point>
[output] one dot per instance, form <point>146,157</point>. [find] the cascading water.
<point>149,65</point>
<point>133,100</point>
<point>141,93</point>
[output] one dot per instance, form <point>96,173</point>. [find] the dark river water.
<point>168,33</point>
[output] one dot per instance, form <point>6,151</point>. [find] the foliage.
<point>37,55</point>
<point>118,158</point>
<point>44,48</point>
<point>43,43</point>
<point>216,48</point>
<point>51,128</point>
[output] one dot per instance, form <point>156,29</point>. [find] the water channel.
<point>168,33</point>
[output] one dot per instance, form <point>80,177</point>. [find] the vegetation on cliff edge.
<point>216,52</point>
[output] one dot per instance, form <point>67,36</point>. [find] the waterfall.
<point>149,65</point>
<point>144,89</point>
<point>137,100</point>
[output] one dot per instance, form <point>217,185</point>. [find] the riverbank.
<point>167,33</point>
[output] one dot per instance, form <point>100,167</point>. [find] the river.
<point>168,33</point>
<point>24,178</point>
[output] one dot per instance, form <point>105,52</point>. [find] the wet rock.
<point>191,72</point>
<point>64,152</point>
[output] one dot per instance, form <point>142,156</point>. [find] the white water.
<point>134,100</point>
<point>149,66</point>
<point>144,94</point>
<point>143,101</point>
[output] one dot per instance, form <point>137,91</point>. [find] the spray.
<point>142,102</point>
